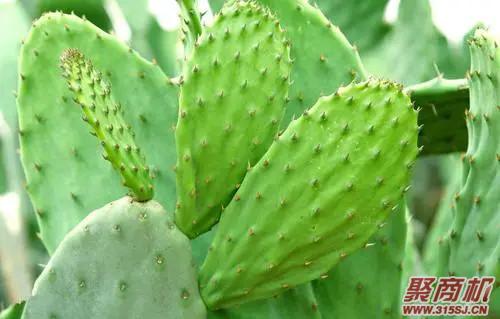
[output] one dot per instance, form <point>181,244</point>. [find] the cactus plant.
<point>13,312</point>
<point>138,277</point>
<point>76,151</point>
<point>469,240</point>
<point>349,284</point>
<point>274,151</point>
<point>94,10</point>
<point>99,102</point>
<point>474,232</point>
<point>300,165</point>
<point>363,23</point>
<point>245,46</point>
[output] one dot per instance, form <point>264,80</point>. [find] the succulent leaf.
<point>13,312</point>
<point>349,284</point>
<point>124,260</point>
<point>323,59</point>
<point>317,195</point>
<point>231,103</point>
<point>66,175</point>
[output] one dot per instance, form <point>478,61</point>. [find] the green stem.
<point>194,23</point>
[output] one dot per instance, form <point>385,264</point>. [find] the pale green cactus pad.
<point>66,175</point>
<point>318,194</point>
<point>231,103</point>
<point>361,21</point>
<point>125,260</point>
<point>323,58</point>
<point>94,10</point>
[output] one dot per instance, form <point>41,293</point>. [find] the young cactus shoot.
<point>93,94</point>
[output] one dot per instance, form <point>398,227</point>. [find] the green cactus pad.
<point>443,104</point>
<point>216,5</point>
<point>323,58</point>
<point>94,94</point>
<point>436,250</point>
<point>13,312</point>
<point>94,10</point>
<point>361,21</point>
<point>415,34</point>
<point>149,38</point>
<point>371,277</point>
<point>231,104</point>
<point>317,195</point>
<point>66,175</point>
<point>297,303</point>
<point>475,236</point>
<point>125,260</point>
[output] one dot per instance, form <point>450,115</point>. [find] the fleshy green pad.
<point>125,260</point>
<point>371,277</point>
<point>66,175</point>
<point>436,249</point>
<point>105,116</point>
<point>475,235</point>
<point>94,10</point>
<point>231,104</point>
<point>13,312</point>
<point>362,21</point>
<point>415,34</point>
<point>317,195</point>
<point>323,58</point>
<point>297,303</point>
<point>216,5</point>
<point>443,104</point>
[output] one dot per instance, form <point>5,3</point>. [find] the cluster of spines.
<point>105,116</point>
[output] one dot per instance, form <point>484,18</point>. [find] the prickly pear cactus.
<point>474,248</point>
<point>323,58</point>
<point>100,110</point>
<point>415,34</point>
<point>315,196</point>
<point>436,250</point>
<point>125,260</point>
<point>94,10</point>
<point>297,303</point>
<point>231,103</point>
<point>66,176</point>
<point>13,312</point>
<point>362,22</point>
<point>350,284</point>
